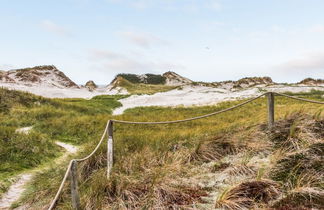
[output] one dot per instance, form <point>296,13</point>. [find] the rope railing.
<point>68,170</point>
<point>71,169</point>
<point>299,99</point>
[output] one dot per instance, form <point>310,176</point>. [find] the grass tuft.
<point>247,194</point>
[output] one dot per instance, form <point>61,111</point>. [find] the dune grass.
<point>140,88</point>
<point>151,161</point>
<point>68,120</point>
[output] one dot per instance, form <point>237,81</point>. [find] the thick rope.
<point>70,164</point>
<point>61,186</point>
<point>98,145</point>
<point>300,99</point>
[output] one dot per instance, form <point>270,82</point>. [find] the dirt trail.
<point>17,189</point>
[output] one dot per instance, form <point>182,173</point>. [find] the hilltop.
<point>46,76</point>
<point>47,81</point>
<point>172,79</point>
<point>147,83</point>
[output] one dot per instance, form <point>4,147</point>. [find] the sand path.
<point>17,189</point>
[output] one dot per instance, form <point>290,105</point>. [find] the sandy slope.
<point>184,96</point>
<point>198,96</point>
<point>54,92</point>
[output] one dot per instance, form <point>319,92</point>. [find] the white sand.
<point>56,92</point>
<point>14,191</point>
<point>199,96</point>
<point>68,147</point>
<point>187,96</point>
<point>24,130</point>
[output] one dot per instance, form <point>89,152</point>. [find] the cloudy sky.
<point>205,40</point>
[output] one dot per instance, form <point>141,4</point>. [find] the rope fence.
<point>108,131</point>
<point>68,170</point>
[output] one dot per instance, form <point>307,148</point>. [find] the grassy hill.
<point>69,120</point>
<point>140,88</point>
<point>227,161</point>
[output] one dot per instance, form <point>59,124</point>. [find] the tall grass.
<point>69,120</point>
<point>151,160</point>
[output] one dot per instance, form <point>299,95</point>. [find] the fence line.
<point>68,170</point>
<point>300,99</point>
<point>109,132</point>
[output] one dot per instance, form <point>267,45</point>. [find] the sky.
<point>204,40</point>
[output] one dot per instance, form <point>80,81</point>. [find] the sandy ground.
<point>24,130</point>
<point>16,189</point>
<point>68,147</point>
<point>55,92</point>
<point>200,96</point>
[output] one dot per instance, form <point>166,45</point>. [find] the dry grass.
<point>247,194</point>
<point>242,170</point>
<point>152,161</point>
<point>219,166</point>
<point>305,198</point>
<point>297,131</point>
<point>308,160</point>
<point>213,150</point>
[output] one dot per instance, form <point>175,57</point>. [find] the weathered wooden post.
<point>270,109</point>
<point>74,186</point>
<point>110,147</point>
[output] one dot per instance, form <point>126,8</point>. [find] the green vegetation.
<point>156,164</point>
<point>140,88</point>
<point>69,120</point>
<point>315,94</point>
<point>162,166</point>
<point>153,79</point>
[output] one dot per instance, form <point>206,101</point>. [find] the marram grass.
<point>151,161</point>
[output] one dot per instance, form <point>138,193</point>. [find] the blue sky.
<point>205,40</point>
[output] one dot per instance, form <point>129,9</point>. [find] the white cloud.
<point>141,39</point>
<point>117,62</point>
<point>277,28</point>
<point>307,63</point>
<point>137,4</point>
<point>319,28</point>
<point>52,27</point>
<point>6,67</point>
<point>215,4</point>
<point>171,5</point>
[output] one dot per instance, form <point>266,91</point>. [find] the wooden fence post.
<point>74,186</point>
<point>110,148</point>
<point>270,109</point>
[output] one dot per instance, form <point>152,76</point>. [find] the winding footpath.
<point>17,189</point>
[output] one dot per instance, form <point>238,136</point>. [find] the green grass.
<point>315,94</point>
<point>69,120</point>
<point>139,88</point>
<point>149,159</point>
